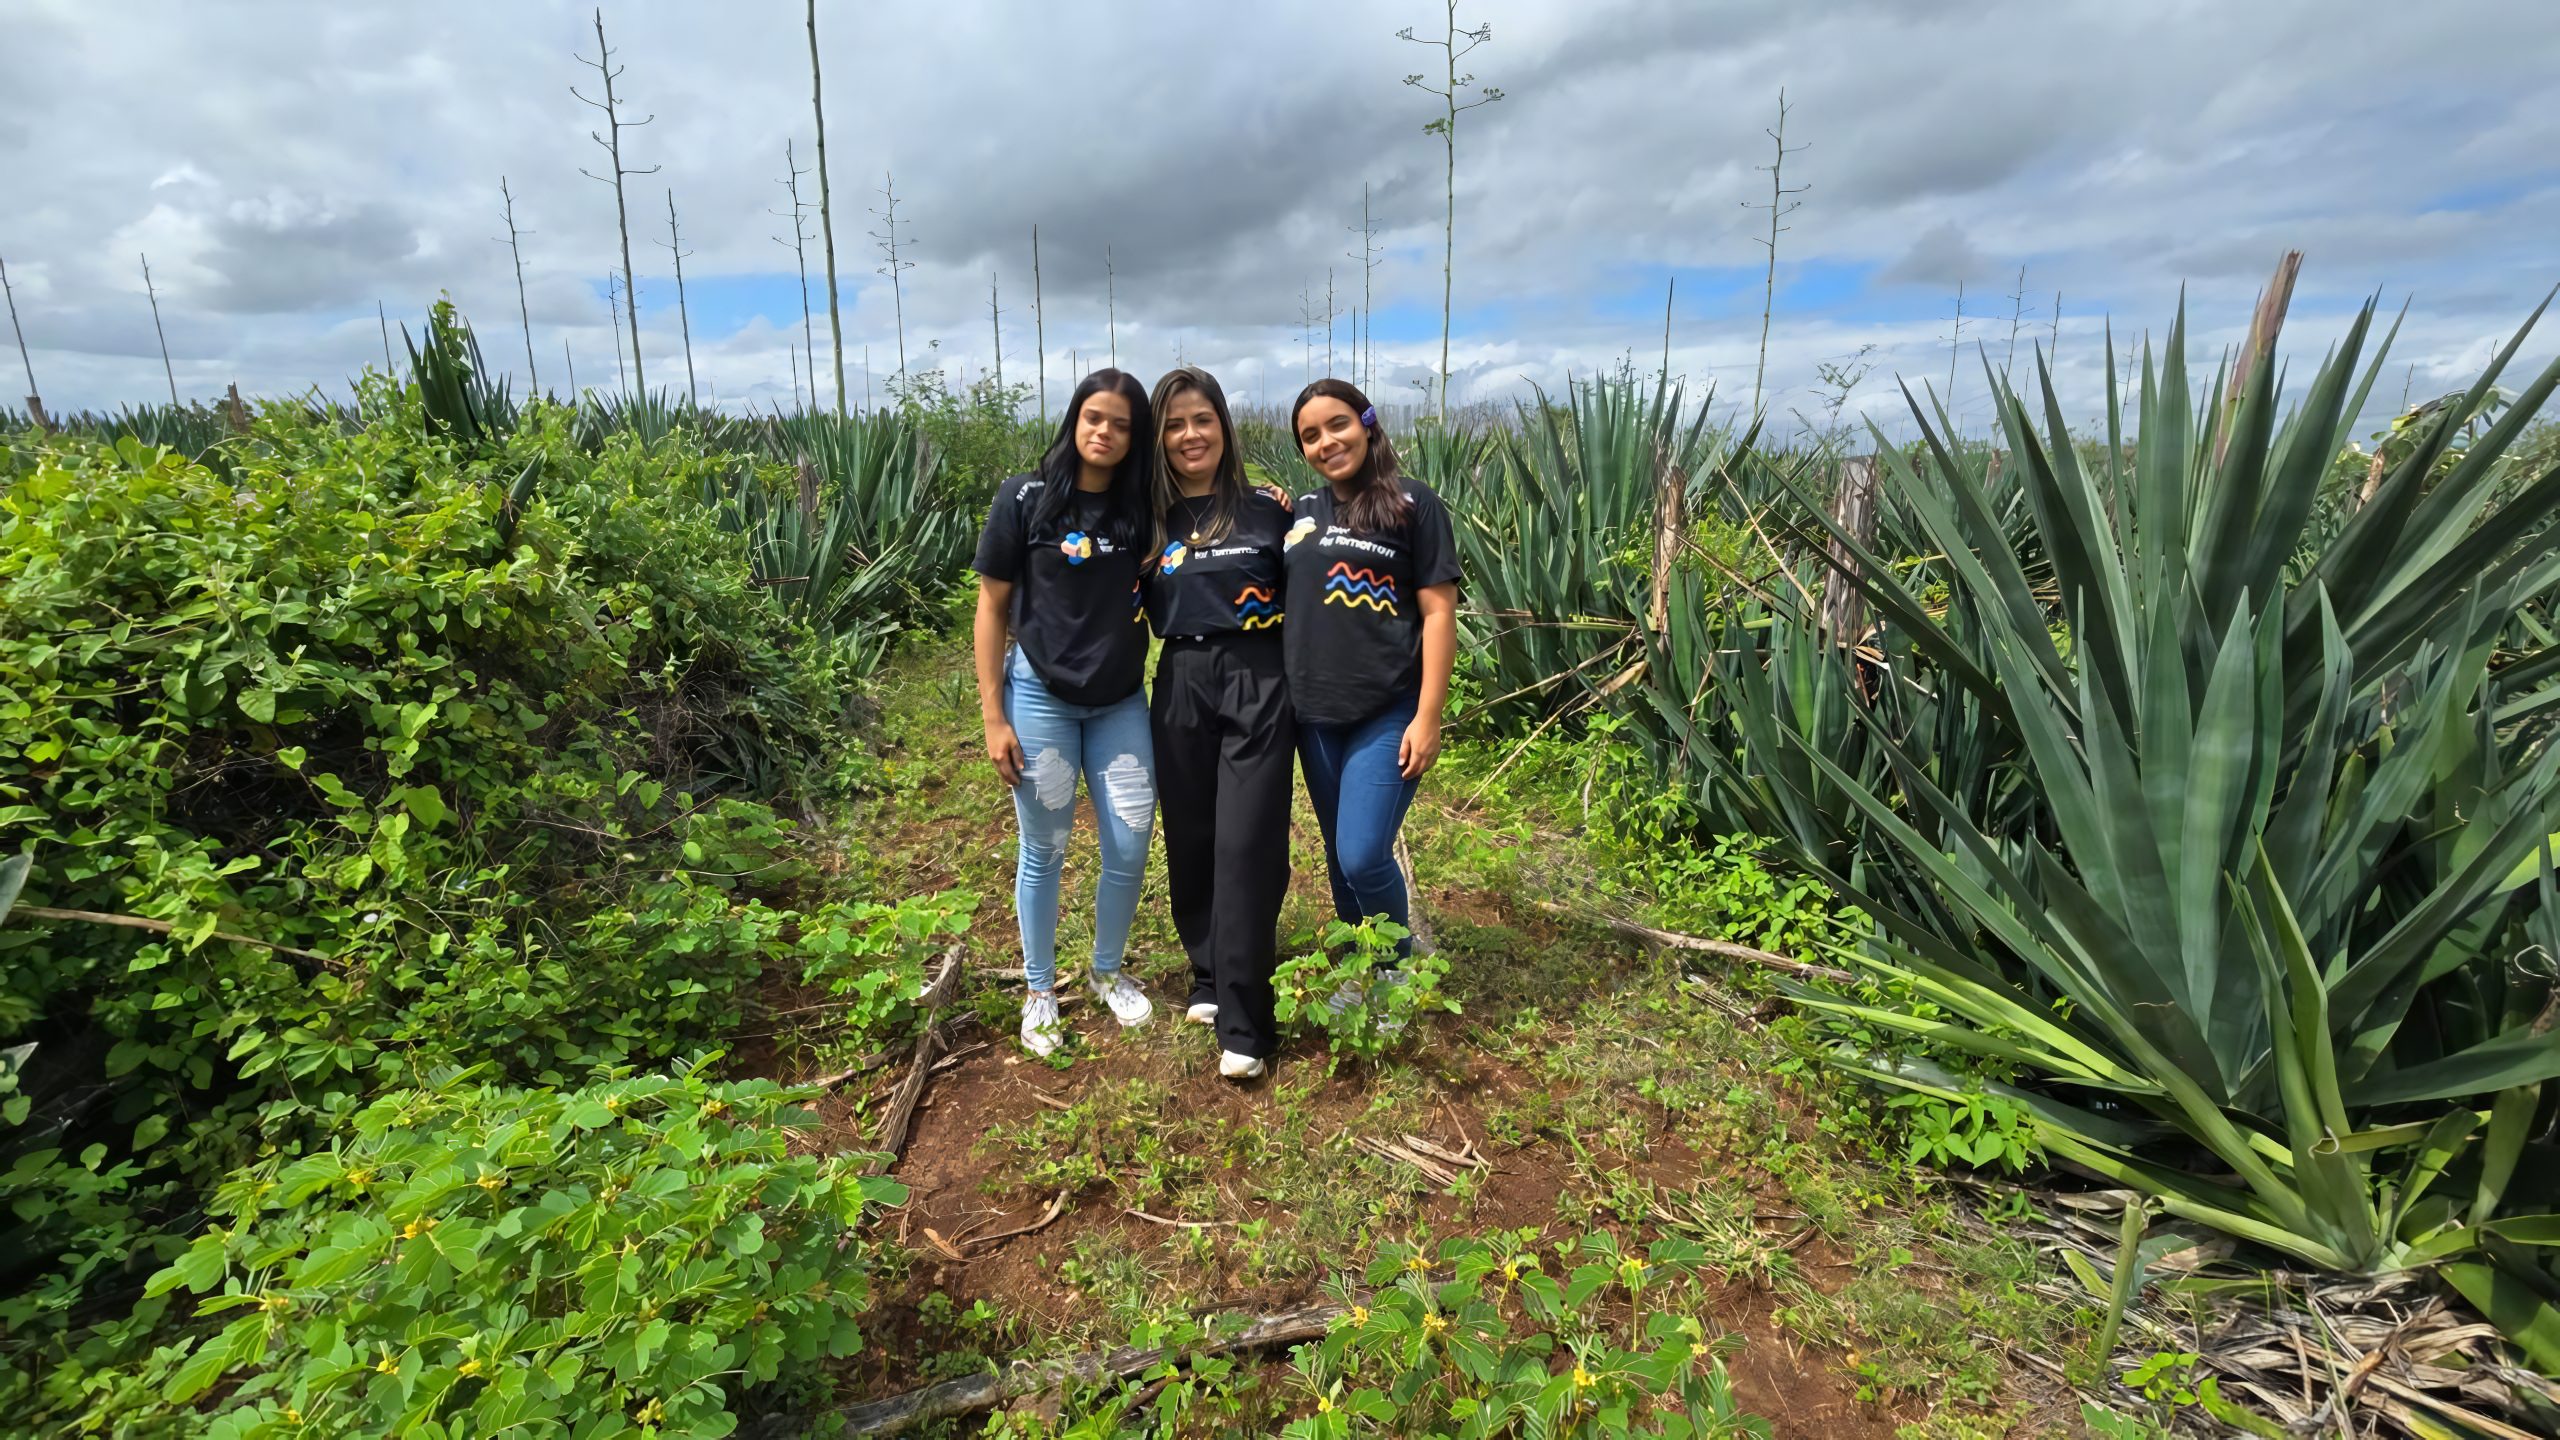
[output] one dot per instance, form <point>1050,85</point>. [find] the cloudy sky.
<point>287,166</point>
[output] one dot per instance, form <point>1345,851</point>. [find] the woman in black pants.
<point>1224,735</point>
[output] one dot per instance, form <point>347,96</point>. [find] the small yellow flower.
<point>1434,1324</point>
<point>652,1413</point>
<point>1324,1404</point>
<point>360,1177</point>
<point>714,1107</point>
<point>613,1103</point>
<point>1511,1271</point>
<point>292,1416</point>
<point>1581,1378</point>
<point>1359,1316</point>
<point>386,1366</point>
<point>274,1303</point>
<point>1700,1350</point>
<point>470,1367</point>
<point>1416,1264</point>
<point>489,1182</point>
<point>411,1230</point>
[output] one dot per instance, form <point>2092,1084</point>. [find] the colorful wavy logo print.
<point>1256,608</point>
<point>1174,554</point>
<point>1077,546</point>
<point>1138,600</point>
<point>1305,527</point>
<point>1355,586</point>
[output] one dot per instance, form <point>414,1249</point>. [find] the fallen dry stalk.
<point>1048,1217</point>
<point>1045,1098</point>
<point>902,1106</point>
<point>863,1066</point>
<point>1435,1163</point>
<point>1724,948</point>
<point>1181,1224</point>
<point>956,1056</point>
<point>163,927</point>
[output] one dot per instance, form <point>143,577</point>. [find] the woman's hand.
<point>1419,750</point>
<point>1005,749</point>
<point>1276,493</point>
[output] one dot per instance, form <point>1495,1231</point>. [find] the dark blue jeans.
<point>1360,798</point>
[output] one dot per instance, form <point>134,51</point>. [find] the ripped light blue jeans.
<point>1109,746</point>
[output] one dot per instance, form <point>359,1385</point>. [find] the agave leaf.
<point>2516,1058</point>
<point>2516,1305</point>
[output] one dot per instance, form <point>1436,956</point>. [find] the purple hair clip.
<point>1369,418</point>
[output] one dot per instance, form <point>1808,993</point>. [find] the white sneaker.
<point>1129,1004</point>
<point>1233,1066</point>
<point>1204,1013</point>
<point>1041,1032</point>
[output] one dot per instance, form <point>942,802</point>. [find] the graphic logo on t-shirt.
<point>1174,554</point>
<point>1138,600</point>
<point>1355,586</point>
<point>1305,527</point>
<point>1077,547</point>
<point>1256,608</point>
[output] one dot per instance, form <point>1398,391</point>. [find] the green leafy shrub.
<point>408,761</point>
<point>873,956</point>
<point>462,1258</point>
<point>1502,1347</point>
<point>1971,1128</point>
<point>1337,989</point>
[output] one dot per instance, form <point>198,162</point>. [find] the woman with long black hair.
<point>1058,571</point>
<point>1223,729</point>
<point>1372,636</point>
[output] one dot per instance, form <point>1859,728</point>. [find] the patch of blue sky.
<point>1727,291</point>
<point>723,304</point>
<point>2494,194</point>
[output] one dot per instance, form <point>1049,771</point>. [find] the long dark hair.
<point>1378,501</point>
<point>1227,490</point>
<point>1061,466</point>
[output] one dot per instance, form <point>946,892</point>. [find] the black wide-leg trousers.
<point>1226,741</point>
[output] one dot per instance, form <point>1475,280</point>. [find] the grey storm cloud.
<point>316,159</point>
<point>266,257</point>
<point>1941,257</point>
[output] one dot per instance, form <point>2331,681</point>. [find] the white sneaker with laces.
<point>1204,1013</point>
<point>1233,1066</point>
<point>1041,1032</point>
<point>1129,1005</point>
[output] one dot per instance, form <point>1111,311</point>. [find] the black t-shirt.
<point>1078,612</point>
<point>1354,637</point>
<point>1233,584</point>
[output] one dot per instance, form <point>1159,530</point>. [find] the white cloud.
<point>317,158</point>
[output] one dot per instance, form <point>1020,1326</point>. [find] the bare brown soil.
<point>960,1186</point>
<point>963,1162</point>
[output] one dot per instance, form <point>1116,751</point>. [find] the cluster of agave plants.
<point>2201,790</point>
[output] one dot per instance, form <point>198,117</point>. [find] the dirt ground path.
<point>1585,1086</point>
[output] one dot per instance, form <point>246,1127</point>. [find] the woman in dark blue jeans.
<point>1372,634</point>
